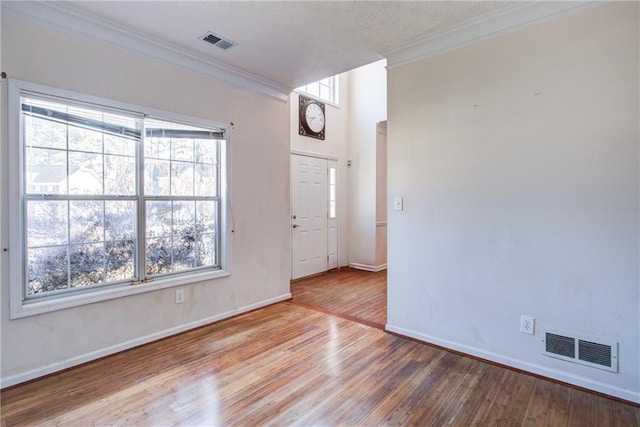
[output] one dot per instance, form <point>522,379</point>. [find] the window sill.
<point>33,308</point>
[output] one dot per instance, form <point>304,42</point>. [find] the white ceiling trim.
<point>61,17</point>
<point>493,24</point>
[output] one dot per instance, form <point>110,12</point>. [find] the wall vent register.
<point>597,353</point>
<point>218,41</point>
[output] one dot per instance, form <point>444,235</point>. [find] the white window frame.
<point>335,91</point>
<point>21,308</point>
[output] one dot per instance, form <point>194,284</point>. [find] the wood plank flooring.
<point>289,365</point>
<point>349,293</point>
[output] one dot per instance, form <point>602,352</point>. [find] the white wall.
<point>334,146</point>
<point>368,106</point>
<point>518,162</point>
<point>259,185</point>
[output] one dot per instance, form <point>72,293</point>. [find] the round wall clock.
<point>311,117</point>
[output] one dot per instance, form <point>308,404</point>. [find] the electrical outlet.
<point>179,296</point>
<point>527,324</point>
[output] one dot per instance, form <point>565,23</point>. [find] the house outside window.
<point>109,197</point>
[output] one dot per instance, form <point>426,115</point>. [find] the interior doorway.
<point>314,219</point>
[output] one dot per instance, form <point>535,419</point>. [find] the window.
<point>326,89</point>
<point>332,193</point>
<point>110,198</point>
<point>181,197</point>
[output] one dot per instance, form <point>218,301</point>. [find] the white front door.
<point>308,216</point>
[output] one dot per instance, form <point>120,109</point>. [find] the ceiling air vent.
<point>598,353</point>
<point>218,41</point>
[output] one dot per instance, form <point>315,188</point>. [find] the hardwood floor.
<point>289,365</point>
<point>352,294</point>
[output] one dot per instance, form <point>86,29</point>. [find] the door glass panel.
<point>332,193</point>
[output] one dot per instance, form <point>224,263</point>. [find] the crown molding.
<point>61,16</point>
<point>488,26</point>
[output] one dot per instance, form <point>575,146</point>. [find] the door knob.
<point>295,226</point>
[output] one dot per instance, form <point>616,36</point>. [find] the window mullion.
<point>141,234</point>
<point>218,245</point>
<point>104,240</point>
<point>67,193</point>
<point>68,244</point>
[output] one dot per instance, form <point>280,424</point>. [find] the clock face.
<point>314,117</point>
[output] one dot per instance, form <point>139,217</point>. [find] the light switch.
<point>397,204</point>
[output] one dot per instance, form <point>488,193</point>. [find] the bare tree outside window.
<point>85,191</point>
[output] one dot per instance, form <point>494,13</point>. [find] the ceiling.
<point>288,42</point>
<point>281,45</point>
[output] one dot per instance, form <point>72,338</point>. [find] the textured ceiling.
<point>290,43</point>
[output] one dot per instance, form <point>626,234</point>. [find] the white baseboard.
<point>367,267</point>
<point>68,363</point>
<point>586,383</point>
